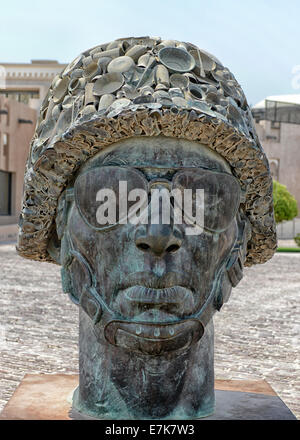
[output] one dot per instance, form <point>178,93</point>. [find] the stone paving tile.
<point>257,331</point>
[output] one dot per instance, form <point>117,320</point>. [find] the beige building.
<point>22,90</point>
<point>28,83</point>
<point>278,128</point>
<point>17,123</point>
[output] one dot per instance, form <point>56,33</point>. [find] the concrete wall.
<point>282,147</point>
<point>8,233</point>
<point>288,230</point>
<point>13,157</point>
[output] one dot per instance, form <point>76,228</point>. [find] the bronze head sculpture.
<point>159,116</point>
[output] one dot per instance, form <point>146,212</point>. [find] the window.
<point>275,124</point>
<point>5,193</point>
<point>21,95</point>
<point>4,114</point>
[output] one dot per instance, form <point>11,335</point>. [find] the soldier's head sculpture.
<point>147,183</point>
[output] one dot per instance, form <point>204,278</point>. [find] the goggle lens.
<point>112,185</point>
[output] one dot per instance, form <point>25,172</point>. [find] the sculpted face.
<point>153,280</point>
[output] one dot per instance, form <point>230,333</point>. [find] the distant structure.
<point>17,123</point>
<point>28,83</point>
<point>22,90</point>
<point>278,128</point>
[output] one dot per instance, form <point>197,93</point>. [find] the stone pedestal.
<point>49,397</point>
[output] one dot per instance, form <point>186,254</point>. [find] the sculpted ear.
<point>64,203</point>
<point>61,219</point>
<point>234,269</point>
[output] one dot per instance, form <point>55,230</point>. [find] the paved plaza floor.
<point>257,331</point>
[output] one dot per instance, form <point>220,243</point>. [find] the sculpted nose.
<point>158,239</point>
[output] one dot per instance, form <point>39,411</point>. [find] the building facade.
<point>278,128</point>
<point>17,123</point>
<point>28,83</point>
<point>22,90</point>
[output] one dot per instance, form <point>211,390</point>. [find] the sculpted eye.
<point>105,195</point>
<point>220,196</point>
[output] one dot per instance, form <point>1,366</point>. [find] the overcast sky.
<point>258,40</point>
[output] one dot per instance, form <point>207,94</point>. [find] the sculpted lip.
<point>153,303</point>
<point>149,279</point>
<point>154,314</point>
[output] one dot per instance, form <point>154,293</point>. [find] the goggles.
<point>119,187</point>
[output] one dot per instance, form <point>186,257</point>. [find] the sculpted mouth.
<point>150,280</point>
<point>154,320</point>
<point>140,303</point>
<point>154,314</point>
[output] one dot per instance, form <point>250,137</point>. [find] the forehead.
<point>158,152</point>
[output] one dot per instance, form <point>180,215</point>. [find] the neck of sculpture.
<point>116,383</point>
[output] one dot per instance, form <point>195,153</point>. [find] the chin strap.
<point>90,300</point>
<point>96,308</point>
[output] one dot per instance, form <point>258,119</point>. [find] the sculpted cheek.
<point>227,239</point>
<point>211,249</point>
<point>83,237</point>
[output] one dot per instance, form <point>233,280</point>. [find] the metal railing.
<point>276,111</point>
